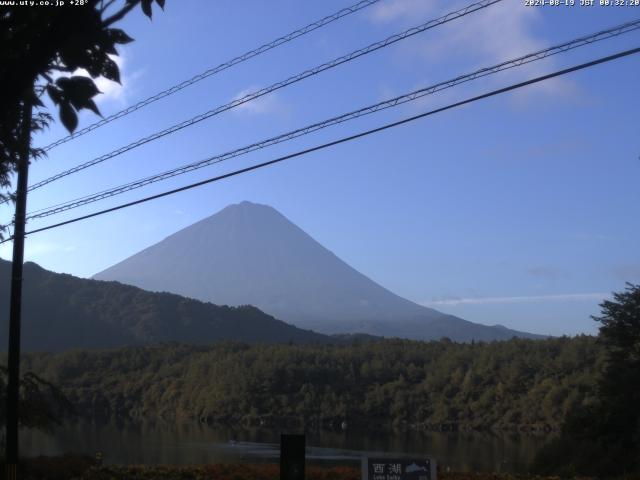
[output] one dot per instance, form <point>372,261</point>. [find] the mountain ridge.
<point>250,253</point>
<point>61,311</point>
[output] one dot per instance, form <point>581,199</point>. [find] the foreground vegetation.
<point>42,405</point>
<point>441,385</point>
<point>83,468</point>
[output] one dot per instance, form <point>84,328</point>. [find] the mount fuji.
<point>249,253</point>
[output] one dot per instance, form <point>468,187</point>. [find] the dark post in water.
<point>292,457</point>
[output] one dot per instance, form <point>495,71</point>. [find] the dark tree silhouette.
<point>619,387</point>
<point>603,438</point>
<point>37,44</point>
<point>41,46</point>
<point>43,405</point>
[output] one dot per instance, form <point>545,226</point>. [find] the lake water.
<point>193,443</point>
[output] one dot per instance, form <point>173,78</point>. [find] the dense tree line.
<point>395,382</point>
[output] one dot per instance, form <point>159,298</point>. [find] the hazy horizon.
<point>475,305</point>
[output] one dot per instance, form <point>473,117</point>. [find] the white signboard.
<point>398,468</point>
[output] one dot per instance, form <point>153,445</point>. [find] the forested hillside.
<point>62,311</point>
<point>401,383</point>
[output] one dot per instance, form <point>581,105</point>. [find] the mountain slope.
<point>251,254</point>
<point>61,312</point>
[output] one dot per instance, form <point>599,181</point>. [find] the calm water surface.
<point>193,443</point>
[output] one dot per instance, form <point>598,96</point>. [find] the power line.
<point>408,97</point>
<point>474,7</point>
<point>212,71</point>
<point>343,140</point>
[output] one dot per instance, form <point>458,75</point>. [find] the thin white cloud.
<point>260,106</point>
<point>521,299</point>
<point>500,32</point>
<point>401,9</point>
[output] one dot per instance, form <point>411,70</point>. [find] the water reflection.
<point>194,443</point>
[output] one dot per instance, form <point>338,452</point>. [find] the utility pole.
<point>15,309</point>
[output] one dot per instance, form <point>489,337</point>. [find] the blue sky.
<point>520,210</point>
